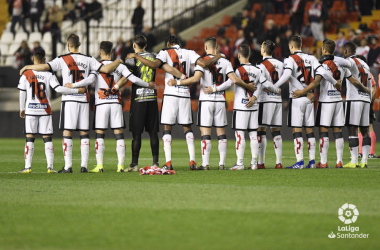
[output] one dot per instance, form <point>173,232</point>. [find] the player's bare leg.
<point>277,142</point>
<point>28,155</point>
<point>324,143</point>
<point>339,145</point>
<point>49,153</point>
<point>206,148</point>
<point>353,142</point>
<point>67,145</point>
<point>366,146</point>
<point>262,142</point>
<point>222,146</point>
<point>190,145</point>
<point>311,146</point>
<point>84,149</point>
<point>167,141</point>
<point>298,148</point>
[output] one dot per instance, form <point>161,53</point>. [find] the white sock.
<point>262,141</point>
<point>222,147</point>
<point>354,150</point>
<point>366,148</point>
<point>49,152</point>
<point>339,145</point>
<point>277,141</point>
<point>85,151</point>
<point>29,150</point>
<point>206,149</point>
<point>298,148</point>
<point>167,141</point>
<point>311,144</point>
<point>67,145</point>
<point>99,150</point>
<point>254,146</point>
<point>324,143</point>
<point>240,147</point>
<point>190,144</point>
<point>120,150</point>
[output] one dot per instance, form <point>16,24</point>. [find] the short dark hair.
<point>106,46</point>
<point>329,45</point>
<point>73,40</point>
<point>39,55</point>
<point>212,41</point>
<point>350,46</point>
<point>296,40</point>
<point>361,57</point>
<point>244,50</point>
<point>269,47</point>
<point>172,39</point>
<point>141,41</point>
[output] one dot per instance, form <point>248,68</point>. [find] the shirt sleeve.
<point>227,84</point>
<point>130,63</point>
<point>22,100</point>
<point>194,57</point>
<point>342,62</point>
<point>199,68</point>
<point>126,73</point>
<point>138,81</point>
<point>162,56</point>
<point>21,84</point>
<point>55,65</point>
<point>95,65</point>
<point>87,81</point>
<point>53,81</point>
<point>229,68</point>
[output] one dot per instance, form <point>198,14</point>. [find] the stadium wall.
<point>12,126</point>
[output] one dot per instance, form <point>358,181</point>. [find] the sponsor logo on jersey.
<point>142,91</point>
<point>38,105</point>
<point>362,93</point>
<point>272,94</point>
<point>244,101</point>
<point>333,93</point>
<point>113,97</point>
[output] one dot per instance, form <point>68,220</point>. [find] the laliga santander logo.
<point>348,213</point>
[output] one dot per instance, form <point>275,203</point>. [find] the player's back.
<point>180,59</point>
<point>272,70</point>
<point>214,75</point>
<point>360,70</point>
<point>75,67</point>
<point>248,73</point>
<point>37,86</point>
<point>328,93</point>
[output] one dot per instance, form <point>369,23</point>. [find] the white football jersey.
<point>180,59</point>
<point>36,84</point>
<point>360,71</point>
<point>272,70</point>
<point>106,81</point>
<point>304,68</point>
<point>328,93</point>
<point>214,76</point>
<point>75,67</point>
<point>248,73</point>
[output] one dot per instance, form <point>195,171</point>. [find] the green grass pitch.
<point>262,209</point>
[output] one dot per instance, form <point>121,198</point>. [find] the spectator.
<point>350,5</point>
<point>36,46</point>
<point>245,20</point>
<point>81,8</point>
<point>341,40</point>
<point>137,19</point>
<point>69,10</point>
<point>255,27</point>
<point>93,7</point>
<point>46,26</point>
<point>279,6</point>
<point>266,7</point>
<point>373,54</point>
<point>297,12</point>
<point>18,9</point>
<point>172,31</point>
<point>225,48</point>
<point>285,52</point>
<point>23,55</point>
<point>271,31</point>
<point>239,41</point>
<point>363,49</point>
<point>55,21</point>
<point>151,40</point>
<point>351,35</point>
<point>36,9</point>
<point>119,50</point>
<point>277,53</point>
<point>318,53</point>
<point>317,15</point>
<point>365,7</point>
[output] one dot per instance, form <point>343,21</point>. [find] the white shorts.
<point>330,114</point>
<point>42,124</point>
<point>270,114</point>
<point>357,113</point>
<point>109,113</point>
<point>301,113</point>
<point>245,120</point>
<point>176,110</point>
<point>212,114</point>
<point>74,116</point>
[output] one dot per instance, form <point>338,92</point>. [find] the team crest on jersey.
<point>38,105</point>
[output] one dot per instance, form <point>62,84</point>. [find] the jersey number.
<point>274,76</point>
<point>146,74</point>
<point>76,75</point>
<point>41,87</point>
<point>300,68</point>
<point>336,74</point>
<point>183,65</point>
<point>364,77</point>
<point>111,81</point>
<point>216,75</point>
